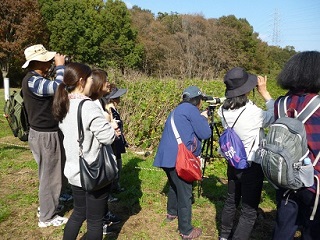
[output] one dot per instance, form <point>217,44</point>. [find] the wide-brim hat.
<point>115,93</point>
<point>37,53</point>
<point>192,92</point>
<point>239,82</point>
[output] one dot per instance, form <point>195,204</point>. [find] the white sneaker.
<point>56,222</point>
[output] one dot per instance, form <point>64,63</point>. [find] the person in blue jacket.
<point>193,127</point>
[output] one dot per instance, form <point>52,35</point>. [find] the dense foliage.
<point>106,34</point>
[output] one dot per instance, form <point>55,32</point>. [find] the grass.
<point>142,206</point>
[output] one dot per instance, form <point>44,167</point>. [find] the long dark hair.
<point>99,78</point>
<point>301,73</point>
<point>235,102</point>
<point>72,74</point>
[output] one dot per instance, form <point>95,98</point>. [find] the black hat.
<point>239,82</point>
<point>115,93</point>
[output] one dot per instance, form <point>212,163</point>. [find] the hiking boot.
<point>112,199</point>
<point>56,222</point>
<point>196,232</point>
<point>170,218</point>
<point>111,219</point>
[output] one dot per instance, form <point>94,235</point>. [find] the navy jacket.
<point>192,127</point>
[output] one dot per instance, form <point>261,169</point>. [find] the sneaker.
<point>196,232</point>
<point>65,197</point>
<point>220,238</point>
<point>56,222</point>
<point>170,218</point>
<point>105,230</point>
<point>111,219</point>
<point>38,212</point>
<point>59,209</point>
<point>112,199</point>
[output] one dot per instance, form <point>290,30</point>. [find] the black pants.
<point>245,185</point>
<point>90,207</point>
<point>295,211</point>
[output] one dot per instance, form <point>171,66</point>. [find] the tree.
<point>119,47</point>
<point>21,25</point>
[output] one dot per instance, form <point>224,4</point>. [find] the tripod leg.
<point>203,170</point>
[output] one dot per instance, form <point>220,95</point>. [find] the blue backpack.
<point>232,147</point>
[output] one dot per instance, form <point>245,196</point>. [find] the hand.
<point>59,59</point>
<point>262,88</point>
<point>205,114</point>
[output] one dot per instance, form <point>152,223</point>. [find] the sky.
<point>278,22</point>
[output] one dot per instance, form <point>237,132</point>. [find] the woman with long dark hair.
<point>90,206</point>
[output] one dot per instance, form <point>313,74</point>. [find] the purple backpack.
<point>232,147</point>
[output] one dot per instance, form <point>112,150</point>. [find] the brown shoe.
<point>170,218</point>
<point>196,232</point>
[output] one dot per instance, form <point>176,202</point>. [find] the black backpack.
<point>16,114</point>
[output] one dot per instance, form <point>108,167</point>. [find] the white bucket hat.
<point>37,53</point>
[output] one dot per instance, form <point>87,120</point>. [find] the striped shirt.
<point>44,87</point>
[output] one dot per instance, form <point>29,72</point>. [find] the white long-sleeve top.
<point>97,130</point>
<point>250,124</point>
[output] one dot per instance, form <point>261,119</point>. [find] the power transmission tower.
<point>276,29</point>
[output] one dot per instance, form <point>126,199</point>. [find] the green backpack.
<point>15,113</point>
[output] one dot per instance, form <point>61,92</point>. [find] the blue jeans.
<point>295,211</point>
<point>245,185</point>
<point>87,206</point>
<point>179,200</point>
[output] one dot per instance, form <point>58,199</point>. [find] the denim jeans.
<point>294,211</point>
<point>244,186</point>
<point>87,206</point>
<point>179,200</point>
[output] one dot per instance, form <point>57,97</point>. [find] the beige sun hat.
<point>37,53</point>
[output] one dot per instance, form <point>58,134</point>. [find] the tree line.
<point>108,35</point>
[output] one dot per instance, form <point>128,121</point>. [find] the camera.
<point>67,59</point>
<point>214,100</point>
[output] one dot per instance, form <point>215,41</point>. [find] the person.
<point>301,77</point>
<point>244,184</point>
<point>89,206</point>
<point>100,87</point>
<point>193,127</point>
<point>45,138</point>
<point>119,145</point>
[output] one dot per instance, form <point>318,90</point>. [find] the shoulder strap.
<point>174,128</point>
<point>309,109</point>
<point>80,126</point>
<point>282,107</point>
<point>234,121</point>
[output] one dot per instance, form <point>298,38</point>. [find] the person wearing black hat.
<point>193,127</point>
<point>244,184</point>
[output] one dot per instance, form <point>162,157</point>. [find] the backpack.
<point>15,113</point>
<point>232,148</point>
<point>285,147</point>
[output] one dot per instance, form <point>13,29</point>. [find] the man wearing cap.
<point>244,184</point>
<point>45,138</point>
<point>193,127</point>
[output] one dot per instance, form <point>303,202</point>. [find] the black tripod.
<point>207,145</point>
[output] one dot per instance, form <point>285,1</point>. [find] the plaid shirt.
<point>312,125</point>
